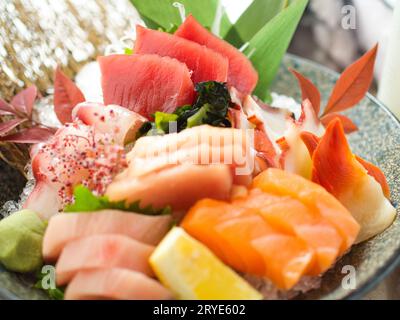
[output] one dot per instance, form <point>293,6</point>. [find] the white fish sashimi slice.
<point>116,284</point>
<point>179,186</point>
<point>102,251</point>
<point>67,227</point>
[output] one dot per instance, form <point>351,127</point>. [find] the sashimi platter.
<point>168,169</point>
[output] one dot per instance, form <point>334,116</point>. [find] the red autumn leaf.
<point>5,108</point>
<point>353,84</point>
<point>348,125</point>
<point>7,126</point>
<point>308,90</point>
<point>31,135</point>
<point>66,96</point>
<point>23,102</point>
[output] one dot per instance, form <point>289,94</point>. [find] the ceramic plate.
<point>377,141</point>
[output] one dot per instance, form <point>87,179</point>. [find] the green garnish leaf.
<point>268,46</point>
<point>162,120</point>
<point>128,51</point>
<point>163,14</point>
<point>259,13</point>
<point>86,201</point>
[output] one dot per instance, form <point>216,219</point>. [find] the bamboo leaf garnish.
<point>163,14</point>
<point>259,13</point>
<point>268,46</point>
<point>308,91</point>
<point>353,84</point>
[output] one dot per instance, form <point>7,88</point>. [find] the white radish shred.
<point>181,8</point>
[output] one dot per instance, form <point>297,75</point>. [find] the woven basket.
<point>36,35</point>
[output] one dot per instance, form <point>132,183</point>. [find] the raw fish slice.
<point>242,74</point>
<point>145,83</point>
<point>216,137</point>
<point>290,216</point>
<point>199,145</point>
<point>336,168</point>
<point>286,258</point>
<point>45,198</point>
<point>204,216</point>
<point>312,141</point>
<point>296,158</point>
<point>121,123</point>
<point>64,228</point>
<point>205,63</point>
<point>178,186</point>
<point>316,198</point>
<point>115,284</point>
<point>102,251</point>
<point>248,227</point>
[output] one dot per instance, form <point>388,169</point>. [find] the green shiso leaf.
<point>86,201</point>
<point>253,19</point>
<point>268,46</point>
<point>162,14</point>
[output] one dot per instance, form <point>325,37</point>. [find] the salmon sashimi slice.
<point>177,186</point>
<point>247,227</point>
<point>291,217</point>
<point>205,63</point>
<point>337,169</point>
<point>67,227</point>
<point>145,83</point>
<point>278,182</point>
<point>121,123</point>
<point>242,74</point>
<point>286,258</point>
<point>233,232</point>
<point>102,251</point>
<point>116,284</point>
<point>205,215</point>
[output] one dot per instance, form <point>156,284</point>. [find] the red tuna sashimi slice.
<point>102,251</point>
<point>121,123</point>
<point>116,284</point>
<point>64,228</point>
<point>145,83</point>
<point>205,63</point>
<point>242,74</point>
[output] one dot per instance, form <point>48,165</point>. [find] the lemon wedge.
<point>192,271</point>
